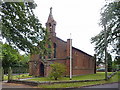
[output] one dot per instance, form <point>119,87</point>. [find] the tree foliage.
<point>110,17</point>
<point>117,60</point>
<point>21,28</point>
<point>57,70</point>
<point>12,58</point>
<point>99,61</point>
<point>25,60</point>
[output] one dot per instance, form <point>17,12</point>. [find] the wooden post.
<point>2,73</point>
<point>95,64</point>
<point>9,74</point>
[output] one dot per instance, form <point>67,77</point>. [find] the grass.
<point>81,84</point>
<point>98,75</point>
<point>21,76</point>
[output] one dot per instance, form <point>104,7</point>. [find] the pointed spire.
<point>51,11</point>
<point>50,18</point>
<point>51,23</point>
<point>50,15</point>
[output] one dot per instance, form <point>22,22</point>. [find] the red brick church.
<point>82,63</point>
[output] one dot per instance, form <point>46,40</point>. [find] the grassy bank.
<point>21,76</point>
<point>98,75</point>
<point>81,84</point>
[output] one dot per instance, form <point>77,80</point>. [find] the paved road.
<point>112,85</point>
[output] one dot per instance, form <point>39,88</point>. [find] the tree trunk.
<point>9,74</point>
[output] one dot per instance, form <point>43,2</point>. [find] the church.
<point>82,63</point>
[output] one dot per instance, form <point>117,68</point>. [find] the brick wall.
<point>82,63</point>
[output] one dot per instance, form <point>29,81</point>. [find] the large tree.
<point>21,28</point>
<point>10,56</point>
<point>110,18</point>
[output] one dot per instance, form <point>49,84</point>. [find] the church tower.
<point>51,24</point>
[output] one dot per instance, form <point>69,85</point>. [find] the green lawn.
<point>81,84</point>
<point>98,75</point>
<point>21,76</point>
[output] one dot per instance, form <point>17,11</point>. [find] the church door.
<point>42,69</point>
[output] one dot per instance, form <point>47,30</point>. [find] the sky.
<point>78,17</point>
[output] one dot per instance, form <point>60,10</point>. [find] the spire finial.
<point>51,10</point>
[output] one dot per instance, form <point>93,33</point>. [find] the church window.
<point>54,50</point>
<point>50,26</point>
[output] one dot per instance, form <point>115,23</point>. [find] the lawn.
<point>81,84</point>
<point>21,76</point>
<point>98,75</point>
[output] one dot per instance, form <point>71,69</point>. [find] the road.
<point>112,85</point>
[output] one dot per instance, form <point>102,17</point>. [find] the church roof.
<point>82,51</point>
<point>75,48</point>
<point>61,39</point>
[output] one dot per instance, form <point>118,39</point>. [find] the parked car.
<point>101,70</point>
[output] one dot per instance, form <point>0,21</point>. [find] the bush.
<point>57,70</point>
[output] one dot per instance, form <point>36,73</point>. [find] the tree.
<point>57,70</point>
<point>24,60</point>
<point>99,61</point>
<point>10,56</point>
<point>109,62</point>
<point>110,17</point>
<point>116,63</point>
<point>117,60</point>
<point>21,28</point>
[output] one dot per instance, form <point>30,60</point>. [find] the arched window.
<point>50,26</point>
<point>54,50</point>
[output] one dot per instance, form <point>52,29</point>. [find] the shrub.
<point>57,70</point>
